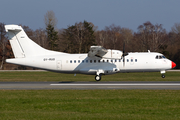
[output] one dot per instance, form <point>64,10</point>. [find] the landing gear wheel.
<point>163,76</point>
<point>97,77</point>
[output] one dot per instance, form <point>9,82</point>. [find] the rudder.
<point>21,44</point>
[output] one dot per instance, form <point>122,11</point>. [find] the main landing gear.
<point>98,77</point>
<point>99,74</point>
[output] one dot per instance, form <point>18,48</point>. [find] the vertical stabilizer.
<point>21,44</point>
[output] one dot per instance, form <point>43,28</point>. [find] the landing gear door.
<point>59,64</point>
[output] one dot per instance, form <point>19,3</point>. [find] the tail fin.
<point>21,44</point>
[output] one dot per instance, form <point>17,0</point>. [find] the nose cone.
<point>173,64</point>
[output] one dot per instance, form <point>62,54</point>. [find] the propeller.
<point>124,54</point>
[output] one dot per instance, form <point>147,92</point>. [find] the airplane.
<point>98,61</point>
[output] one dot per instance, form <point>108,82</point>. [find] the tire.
<point>97,77</point>
<point>163,76</point>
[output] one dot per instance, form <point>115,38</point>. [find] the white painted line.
<point>131,84</point>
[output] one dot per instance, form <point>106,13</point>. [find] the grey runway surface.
<point>88,85</point>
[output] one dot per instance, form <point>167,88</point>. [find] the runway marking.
<point>131,84</point>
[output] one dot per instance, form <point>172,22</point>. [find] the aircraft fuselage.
<point>97,61</point>
<point>81,63</point>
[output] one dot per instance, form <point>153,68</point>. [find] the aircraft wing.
<point>98,51</point>
<point>108,69</point>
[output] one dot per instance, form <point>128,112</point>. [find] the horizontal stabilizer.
<point>12,28</point>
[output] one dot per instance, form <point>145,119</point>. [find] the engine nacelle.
<point>115,54</point>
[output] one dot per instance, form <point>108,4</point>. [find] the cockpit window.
<point>163,57</point>
<point>157,57</point>
<point>160,57</point>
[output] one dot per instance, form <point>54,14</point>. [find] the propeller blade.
<point>123,62</point>
<point>123,54</point>
<point>123,49</point>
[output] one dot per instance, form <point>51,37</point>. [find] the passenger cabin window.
<point>78,61</point>
<point>74,61</point>
<point>127,60</point>
<point>94,61</point>
<point>86,61</point>
<point>70,61</point>
<point>135,60</point>
<point>131,60</point>
<point>82,61</point>
<point>90,61</point>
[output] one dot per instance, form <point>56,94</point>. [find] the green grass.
<point>90,104</point>
<point>51,76</point>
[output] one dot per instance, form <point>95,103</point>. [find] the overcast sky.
<point>126,13</point>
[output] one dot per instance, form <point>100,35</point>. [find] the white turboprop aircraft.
<point>99,61</point>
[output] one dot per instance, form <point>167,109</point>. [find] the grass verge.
<point>90,104</point>
<point>51,76</point>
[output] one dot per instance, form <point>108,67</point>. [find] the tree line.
<point>79,37</point>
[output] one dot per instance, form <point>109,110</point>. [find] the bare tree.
<point>175,34</point>
<point>102,38</point>
<point>3,43</point>
<point>127,35</point>
<point>50,19</point>
<point>41,37</point>
<point>114,36</point>
<point>79,37</point>
<point>52,35</point>
<point>174,42</point>
<point>150,37</point>
<point>176,28</point>
<point>29,31</point>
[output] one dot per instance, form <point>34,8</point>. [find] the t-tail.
<point>22,45</point>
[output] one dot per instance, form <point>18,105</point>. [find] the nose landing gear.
<point>162,73</point>
<point>163,76</point>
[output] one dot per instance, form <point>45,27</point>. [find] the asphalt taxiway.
<point>88,85</point>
